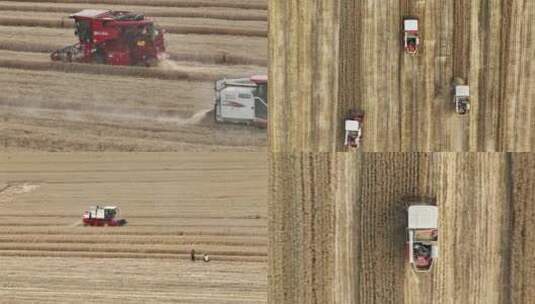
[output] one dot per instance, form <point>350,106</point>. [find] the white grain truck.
<point>242,101</point>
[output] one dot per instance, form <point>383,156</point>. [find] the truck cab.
<point>242,100</point>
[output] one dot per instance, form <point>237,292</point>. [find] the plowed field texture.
<point>56,106</point>
<point>212,203</point>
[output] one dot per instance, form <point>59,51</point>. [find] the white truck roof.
<point>410,24</point>
<point>89,13</point>
<point>423,217</point>
<point>462,90</point>
<point>352,125</point>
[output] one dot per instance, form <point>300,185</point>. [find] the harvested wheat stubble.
<point>522,251</point>
<point>134,281</point>
<point>151,12</point>
<point>231,240</point>
<point>149,189</point>
<point>260,4</point>
<point>218,250</point>
<point>64,20</point>
<point>484,227</point>
<point>350,55</point>
<point>108,70</point>
<point>173,29</point>
<point>215,58</point>
<point>214,45</point>
<point>124,255</point>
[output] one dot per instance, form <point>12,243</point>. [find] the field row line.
<point>164,13</point>
<point>172,29</point>
<point>130,71</point>
<point>163,3</point>
<point>178,216</point>
<point>150,249</point>
<point>83,254</point>
<point>149,241</point>
<point>214,58</point>
<point>86,232</point>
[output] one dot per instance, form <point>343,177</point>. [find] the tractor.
<point>353,129</point>
<point>411,41</point>
<point>461,97</point>
<point>242,101</point>
<point>423,236</point>
<point>102,216</point>
<point>115,38</point>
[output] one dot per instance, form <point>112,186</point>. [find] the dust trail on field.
<point>197,118</point>
<point>109,114</point>
<point>9,191</point>
<point>78,223</point>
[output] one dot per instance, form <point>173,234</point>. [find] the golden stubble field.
<point>338,228</point>
<point>87,107</point>
<point>213,203</point>
<point>341,55</point>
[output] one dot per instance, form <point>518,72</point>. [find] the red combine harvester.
<point>102,216</point>
<point>113,37</point>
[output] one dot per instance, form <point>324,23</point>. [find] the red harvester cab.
<point>113,37</point>
<point>102,216</point>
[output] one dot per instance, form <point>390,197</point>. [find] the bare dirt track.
<point>351,214</point>
<point>173,203</point>
<point>83,107</point>
<point>341,55</point>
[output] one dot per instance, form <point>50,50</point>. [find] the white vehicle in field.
<point>242,100</point>
<point>411,41</point>
<point>423,237</point>
<point>353,129</point>
<point>461,99</point>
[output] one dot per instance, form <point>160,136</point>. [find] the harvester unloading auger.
<point>113,37</point>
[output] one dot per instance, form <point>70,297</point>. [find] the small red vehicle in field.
<point>113,37</point>
<point>102,216</point>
